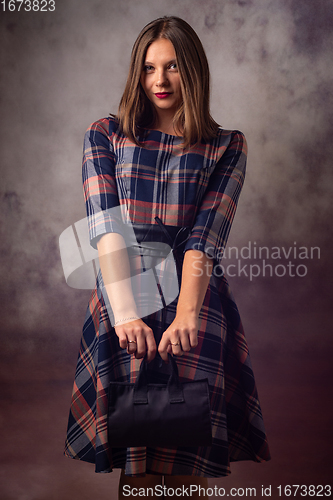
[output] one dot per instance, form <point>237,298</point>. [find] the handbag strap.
<point>174,386</point>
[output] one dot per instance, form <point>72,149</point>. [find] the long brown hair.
<point>192,120</point>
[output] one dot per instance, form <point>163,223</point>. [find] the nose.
<point>161,78</point>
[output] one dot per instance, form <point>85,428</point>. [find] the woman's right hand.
<point>141,337</point>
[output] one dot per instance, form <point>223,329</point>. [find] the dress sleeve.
<point>99,183</point>
<point>216,212</point>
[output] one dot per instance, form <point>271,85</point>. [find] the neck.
<point>164,123</point>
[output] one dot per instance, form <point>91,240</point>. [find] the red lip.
<point>162,95</point>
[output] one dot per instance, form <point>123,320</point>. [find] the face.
<point>160,78</point>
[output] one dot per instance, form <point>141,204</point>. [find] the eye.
<point>148,68</point>
<point>173,66</point>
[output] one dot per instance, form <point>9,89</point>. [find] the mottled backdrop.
<point>271,67</point>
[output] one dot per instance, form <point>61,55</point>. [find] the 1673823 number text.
<point>28,5</point>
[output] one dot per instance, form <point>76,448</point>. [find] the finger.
<point>169,351</point>
<point>127,338</point>
<point>163,347</point>
<point>185,342</point>
<point>131,344</point>
<point>194,338</point>
<point>176,347</point>
<point>122,337</point>
<point>151,346</point>
<point>141,343</point>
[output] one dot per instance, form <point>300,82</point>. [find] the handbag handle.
<point>174,387</point>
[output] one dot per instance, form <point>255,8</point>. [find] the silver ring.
<point>131,342</point>
<point>175,343</point>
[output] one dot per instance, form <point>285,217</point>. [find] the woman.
<point>176,176</point>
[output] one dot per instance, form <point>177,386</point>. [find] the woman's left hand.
<point>180,336</point>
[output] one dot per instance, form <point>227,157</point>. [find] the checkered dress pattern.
<point>198,189</point>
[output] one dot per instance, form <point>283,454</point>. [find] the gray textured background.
<point>271,78</point>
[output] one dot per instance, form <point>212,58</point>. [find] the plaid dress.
<point>196,189</point>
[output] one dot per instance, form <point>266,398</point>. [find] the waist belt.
<point>174,238</point>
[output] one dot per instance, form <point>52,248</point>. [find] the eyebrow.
<point>169,62</point>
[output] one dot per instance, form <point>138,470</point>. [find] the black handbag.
<point>159,415</point>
